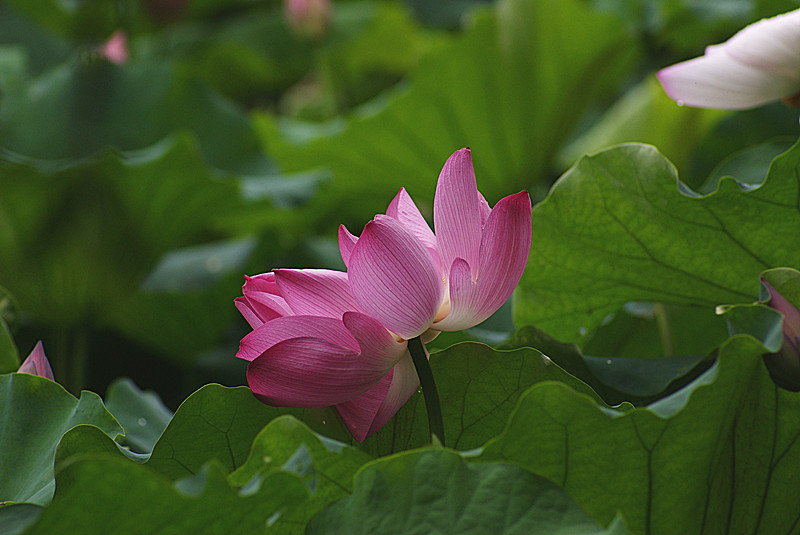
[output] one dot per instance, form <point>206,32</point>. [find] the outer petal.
<point>252,317</point>
<point>372,336</point>
<point>770,44</point>
<point>346,243</point>
<point>457,211</point>
<point>505,248</point>
<point>316,292</point>
<point>719,81</point>
<point>370,411</point>
<point>37,364</point>
<point>406,212</point>
<point>262,299</point>
<point>759,64</point>
<point>312,372</point>
<point>262,283</point>
<point>394,279</point>
<point>278,330</point>
<point>485,209</point>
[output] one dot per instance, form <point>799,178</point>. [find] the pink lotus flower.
<point>412,280</point>
<point>311,346</point>
<point>37,363</point>
<point>759,64</point>
<point>325,337</point>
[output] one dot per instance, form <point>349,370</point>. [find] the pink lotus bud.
<point>37,363</point>
<point>115,49</point>
<point>309,18</point>
<point>784,366</point>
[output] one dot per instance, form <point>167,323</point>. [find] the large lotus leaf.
<point>326,466</point>
<point>79,238</point>
<point>619,227</point>
<point>719,456</point>
<point>216,422</point>
<point>98,495</point>
<point>36,412</point>
<point>434,491</point>
<point>503,87</point>
<point>87,440</point>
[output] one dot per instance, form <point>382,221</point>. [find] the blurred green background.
<point>135,194</point>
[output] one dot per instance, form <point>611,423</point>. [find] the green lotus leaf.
<point>434,491</point>
<point>619,227</point>
<point>36,412</point>
<point>718,456</point>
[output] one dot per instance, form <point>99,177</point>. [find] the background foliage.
<point>611,399</point>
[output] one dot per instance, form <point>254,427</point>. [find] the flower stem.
<point>420,357</point>
<point>664,329</point>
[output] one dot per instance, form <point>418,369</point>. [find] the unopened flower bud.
<point>784,366</point>
<point>37,364</point>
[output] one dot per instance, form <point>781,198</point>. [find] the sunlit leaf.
<point>618,227</point>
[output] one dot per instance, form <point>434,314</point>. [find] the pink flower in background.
<point>784,366</point>
<point>37,363</point>
<point>324,337</point>
<point>115,49</point>
<point>309,18</point>
<point>759,64</point>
